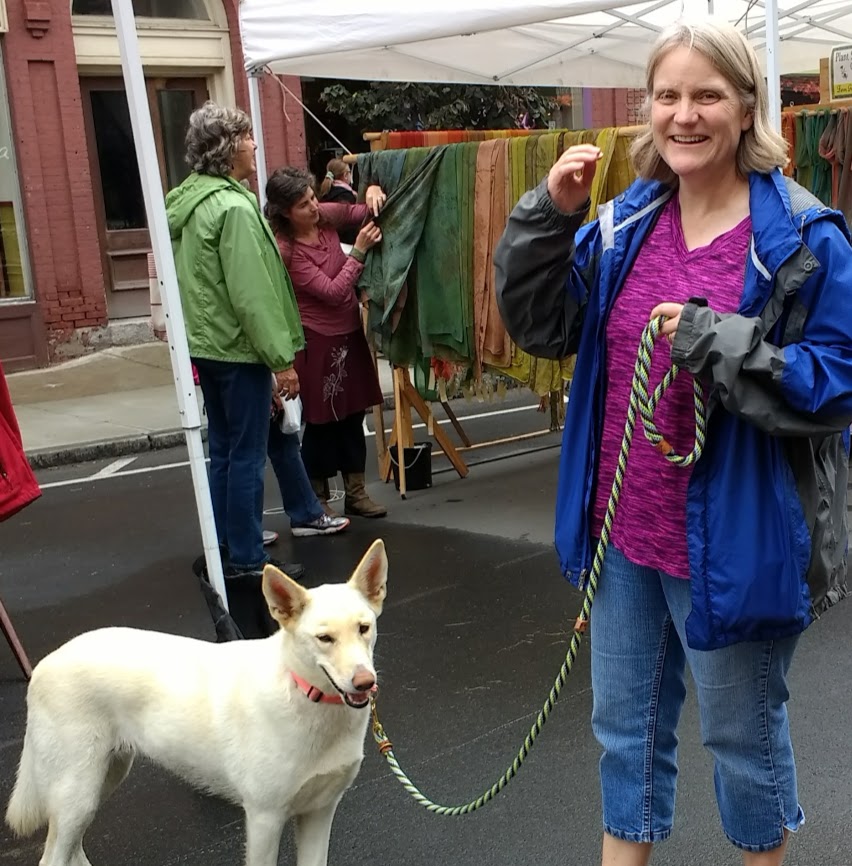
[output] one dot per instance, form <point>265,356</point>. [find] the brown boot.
<point>357,502</point>
<point>320,486</point>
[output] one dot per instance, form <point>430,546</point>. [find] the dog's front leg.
<point>263,836</point>
<point>313,831</point>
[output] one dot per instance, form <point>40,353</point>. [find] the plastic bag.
<point>291,416</point>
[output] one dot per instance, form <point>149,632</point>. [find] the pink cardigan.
<point>323,276</point>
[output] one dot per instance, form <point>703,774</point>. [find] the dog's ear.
<point>286,598</point>
<point>371,576</point>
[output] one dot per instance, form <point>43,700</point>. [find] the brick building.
<point>73,236</point>
<point>612,107</point>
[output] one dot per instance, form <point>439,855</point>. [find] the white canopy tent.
<point>595,43</point>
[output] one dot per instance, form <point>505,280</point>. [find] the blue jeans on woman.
<point>237,399</point>
<point>639,655</point>
<point>297,496</point>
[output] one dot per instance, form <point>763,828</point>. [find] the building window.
<point>193,10</point>
<point>175,107</point>
<point>14,273</point>
<point>123,201</point>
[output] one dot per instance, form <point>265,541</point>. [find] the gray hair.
<point>213,138</point>
<point>761,148</point>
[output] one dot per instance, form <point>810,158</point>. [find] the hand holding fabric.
<point>375,199</point>
<point>368,237</point>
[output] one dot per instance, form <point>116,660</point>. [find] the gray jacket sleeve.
<point>534,260</point>
<point>745,370</point>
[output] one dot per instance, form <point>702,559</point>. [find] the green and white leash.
<point>642,404</point>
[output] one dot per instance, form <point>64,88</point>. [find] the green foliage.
<point>406,106</point>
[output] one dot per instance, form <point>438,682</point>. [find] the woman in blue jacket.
<point>723,565</point>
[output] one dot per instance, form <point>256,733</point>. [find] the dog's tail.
<point>27,811</point>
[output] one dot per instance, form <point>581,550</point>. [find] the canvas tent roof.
<point>584,43</point>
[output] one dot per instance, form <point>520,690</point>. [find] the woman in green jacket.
<point>241,323</point>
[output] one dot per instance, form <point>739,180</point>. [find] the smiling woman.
<point>747,551</point>
<point>697,61</point>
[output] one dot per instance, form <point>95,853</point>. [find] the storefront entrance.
<point>120,207</point>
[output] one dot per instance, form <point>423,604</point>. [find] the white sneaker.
<point>324,525</point>
<point>269,537</point>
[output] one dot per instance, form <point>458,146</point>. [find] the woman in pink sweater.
<point>336,373</point>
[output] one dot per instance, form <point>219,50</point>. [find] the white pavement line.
<point>114,467</point>
<point>468,417</point>
<point>141,471</point>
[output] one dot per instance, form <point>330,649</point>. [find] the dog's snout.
<point>363,680</point>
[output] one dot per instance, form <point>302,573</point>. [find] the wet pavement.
<point>473,633</point>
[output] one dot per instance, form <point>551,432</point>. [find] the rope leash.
<point>642,405</point>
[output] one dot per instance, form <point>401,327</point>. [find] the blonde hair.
<point>336,169</point>
<point>761,148</point>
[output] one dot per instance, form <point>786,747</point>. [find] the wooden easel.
<point>14,642</point>
<point>405,398</point>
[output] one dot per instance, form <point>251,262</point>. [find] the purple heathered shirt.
<point>650,524</point>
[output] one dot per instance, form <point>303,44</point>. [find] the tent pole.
<point>149,173</point>
<point>773,71</point>
<point>257,128</point>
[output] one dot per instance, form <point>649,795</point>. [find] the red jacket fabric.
<point>18,486</point>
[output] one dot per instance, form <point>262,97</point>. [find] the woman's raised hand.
<point>570,180</point>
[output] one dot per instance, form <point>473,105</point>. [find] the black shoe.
<point>295,570</point>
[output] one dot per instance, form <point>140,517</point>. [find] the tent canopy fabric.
<point>579,43</point>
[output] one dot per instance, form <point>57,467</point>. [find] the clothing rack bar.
<point>813,108</point>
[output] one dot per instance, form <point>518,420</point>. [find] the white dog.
<point>276,725</point>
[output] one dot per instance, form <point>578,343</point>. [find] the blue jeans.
<point>297,496</point>
<point>639,654</point>
<point>237,399</point>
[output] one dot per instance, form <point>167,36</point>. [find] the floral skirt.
<point>336,376</point>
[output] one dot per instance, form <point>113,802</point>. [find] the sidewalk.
<point>111,403</point>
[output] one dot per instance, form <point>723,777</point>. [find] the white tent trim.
<point>570,44</point>
<point>594,43</point>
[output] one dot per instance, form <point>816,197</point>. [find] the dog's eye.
<point>325,638</point>
<point>365,629</point>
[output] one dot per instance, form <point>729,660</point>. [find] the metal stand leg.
<point>14,642</point>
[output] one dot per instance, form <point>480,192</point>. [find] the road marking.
<point>141,471</point>
<point>114,467</point>
<point>469,417</point>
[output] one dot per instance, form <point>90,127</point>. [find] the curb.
<point>121,446</point>
<point>102,449</point>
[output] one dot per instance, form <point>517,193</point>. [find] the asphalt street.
<point>474,631</point>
